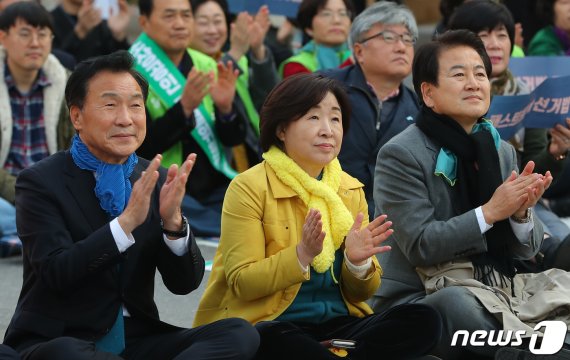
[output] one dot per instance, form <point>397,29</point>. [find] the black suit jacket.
<point>72,284</point>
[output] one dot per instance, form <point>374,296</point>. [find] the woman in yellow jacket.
<point>297,253</point>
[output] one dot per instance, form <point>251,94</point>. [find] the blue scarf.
<point>113,187</point>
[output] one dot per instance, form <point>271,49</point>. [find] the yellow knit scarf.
<point>321,195</point>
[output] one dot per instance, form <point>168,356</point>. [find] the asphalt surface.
<point>174,309</point>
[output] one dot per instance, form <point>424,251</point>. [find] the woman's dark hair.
<point>483,15</point>
<point>146,7</point>
<point>446,9</point>
<point>29,11</point>
<point>195,4</point>
<point>308,9</point>
<point>426,62</point>
<point>545,10</point>
<point>117,62</point>
<point>293,98</point>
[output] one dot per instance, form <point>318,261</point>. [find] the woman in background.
<point>327,23</point>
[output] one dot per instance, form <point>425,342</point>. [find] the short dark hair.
<point>426,62</point>
<point>483,15</point>
<point>29,11</point>
<point>195,4</point>
<point>223,4</point>
<point>146,7</point>
<point>446,9</point>
<point>293,98</point>
<point>545,10</point>
<point>117,62</point>
<point>308,9</point>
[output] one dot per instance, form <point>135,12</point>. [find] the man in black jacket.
<point>96,222</point>
<point>176,131</point>
<point>81,30</point>
<point>382,39</point>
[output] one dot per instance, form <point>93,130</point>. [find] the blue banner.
<point>533,70</point>
<point>276,7</point>
<point>546,106</point>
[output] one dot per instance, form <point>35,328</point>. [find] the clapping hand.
<point>223,88</point>
<point>312,239</point>
<point>171,195</point>
<point>119,22</point>
<point>239,35</point>
<point>257,32</point>
<point>360,244</point>
<point>88,18</point>
<point>173,191</point>
<point>196,87</point>
<point>560,139</point>
<point>516,194</point>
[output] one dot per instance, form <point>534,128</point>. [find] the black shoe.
<point>509,353</point>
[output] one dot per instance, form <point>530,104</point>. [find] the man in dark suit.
<point>460,212</point>
<point>96,222</point>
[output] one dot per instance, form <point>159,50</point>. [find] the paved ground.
<point>174,309</point>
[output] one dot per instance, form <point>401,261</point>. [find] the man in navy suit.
<point>96,222</point>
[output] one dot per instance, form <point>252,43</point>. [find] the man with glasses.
<point>382,39</point>
<point>33,118</point>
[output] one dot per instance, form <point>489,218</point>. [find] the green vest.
<point>166,85</point>
<point>157,108</point>
<point>242,89</point>
<point>308,60</point>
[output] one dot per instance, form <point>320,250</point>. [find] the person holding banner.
<point>327,22</point>
<point>190,107</point>
<point>494,25</point>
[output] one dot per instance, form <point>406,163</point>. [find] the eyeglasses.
<point>391,37</point>
<point>329,14</point>
<point>26,36</point>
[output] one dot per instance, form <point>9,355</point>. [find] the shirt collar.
<point>41,81</point>
<point>391,95</point>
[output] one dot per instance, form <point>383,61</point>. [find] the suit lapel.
<point>81,184</point>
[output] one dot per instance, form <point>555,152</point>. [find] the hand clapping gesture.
<point>516,194</point>
<point>560,139</point>
<point>119,22</point>
<point>360,244</point>
<point>197,86</point>
<point>88,18</point>
<point>223,89</point>
<point>257,31</point>
<point>312,239</point>
<point>171,195</point>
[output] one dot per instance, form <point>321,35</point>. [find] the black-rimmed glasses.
<point>391,37</point>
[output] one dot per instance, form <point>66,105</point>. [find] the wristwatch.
<point>177,234</point>
<point>522,220</point>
